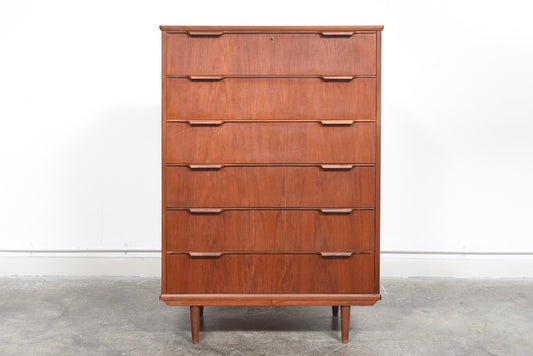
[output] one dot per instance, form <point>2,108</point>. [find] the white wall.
<point>80,120</point>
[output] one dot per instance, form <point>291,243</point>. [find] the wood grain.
<point>270,231</point>
<point>274,186</point>
<point>271,166</point>
<point>345,323</point>
<point>271,98</point>
<point>271,299</point>
<point>195,323</point>
<point>271,54</point>
<point>270,273</point>
<point>262,29</point>
<point>378,165</point>
<point>163,159</point>
<point>269,142</point>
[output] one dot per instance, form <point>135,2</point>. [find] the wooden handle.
<point>336,122</point>
<point>336,166</point>
<point>335,254</point>
<point>336,211</point>
<point>337,34</point>
<point>205,254</point>
<point>338,78</point>
<point>206,33</point>
<point>205,166</point>
<point>205,122</point>
<point>206,77</point>
<point>205,211</point>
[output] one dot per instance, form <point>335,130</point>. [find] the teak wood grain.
<point>268,29</point>
<point>271,142</point>
<point>271,166</point>
<point>276,186</point>
<point>163,160</point>
<point>345,323</point>
<point>378,163</point>
<point>271,54</point>
<point>270,273</point>
<point>270,231</point>
<point>276,299</point>
<point>271,98</point>
<point>195,323</point>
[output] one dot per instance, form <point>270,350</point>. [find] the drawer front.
<point>271,142</point>
<point>271,54</point>
<point>270,231</point>
<point>270,273</point>
<point>271,98</point>
<point>275,186</point>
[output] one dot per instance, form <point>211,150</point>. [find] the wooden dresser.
<point>271,167</point>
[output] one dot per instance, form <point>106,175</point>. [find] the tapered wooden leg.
<point>201,311</point>
<point>335,310</point>
<point>195,324</point>
<point>345,323</point>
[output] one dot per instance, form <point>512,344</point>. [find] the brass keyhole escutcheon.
<point>272,39</point>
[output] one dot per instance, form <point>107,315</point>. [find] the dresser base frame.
<point>269,299</point>
<point>196,302</point>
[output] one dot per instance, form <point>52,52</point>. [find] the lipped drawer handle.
<point>337,33</point>
<point>210,78</point>
<point>205,122</point>
<point>206,33</point>
<point>332,211</point>
<point>336,122</point>
<point>336,254</point>
<point>336,167</point>
<point>337,78</point>
<point>205,211</point>
<point>205,254</point>
<point>205,166</point>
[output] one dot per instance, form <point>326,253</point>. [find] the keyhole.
<point>271,39</point>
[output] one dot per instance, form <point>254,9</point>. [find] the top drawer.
<point>271,54</point>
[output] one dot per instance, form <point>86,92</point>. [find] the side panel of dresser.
<point>378,164</point>
<point>163,162</point>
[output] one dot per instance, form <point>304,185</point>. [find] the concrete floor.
<point>123,316</point>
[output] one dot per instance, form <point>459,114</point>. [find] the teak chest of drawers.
<point>271,167</point>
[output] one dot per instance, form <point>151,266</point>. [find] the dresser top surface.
<point>237,29</point>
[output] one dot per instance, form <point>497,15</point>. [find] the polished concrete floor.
<point>123,316</point>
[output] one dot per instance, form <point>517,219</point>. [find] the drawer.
<point>271,98</point>
<point>271,54</point>
<point>218,230</point>
<point>271,186</point>
<point>270,273</point>
<point>271,142</point>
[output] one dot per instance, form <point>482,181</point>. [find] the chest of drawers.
<point>270,167</point>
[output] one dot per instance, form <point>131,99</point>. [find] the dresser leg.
<point>195,324</point>
<point>345,323</point>
<point>335,310</point>
<point>201,311</point>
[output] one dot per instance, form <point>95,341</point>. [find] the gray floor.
<point>117,316</point>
